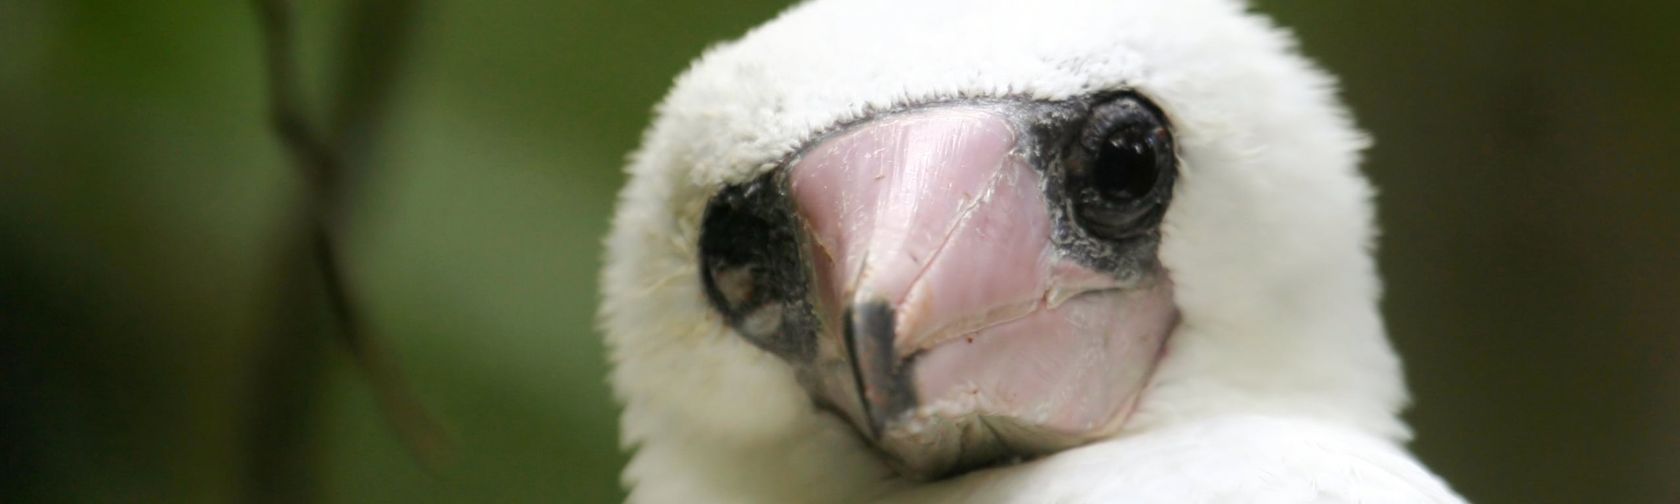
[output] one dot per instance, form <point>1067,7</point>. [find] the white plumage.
<point>1278,384</point>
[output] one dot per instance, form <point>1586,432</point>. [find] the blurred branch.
<point>312,272</point>
<point>372,55</point>
<point>313,158</point>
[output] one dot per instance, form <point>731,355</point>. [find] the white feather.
<point>1279,386</point>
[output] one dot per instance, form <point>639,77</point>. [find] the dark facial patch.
<point>1109,181</point>
<point>753,268</point>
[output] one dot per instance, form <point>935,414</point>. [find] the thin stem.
<point>311,278</point>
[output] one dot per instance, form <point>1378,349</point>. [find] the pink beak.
<point>965,330</point>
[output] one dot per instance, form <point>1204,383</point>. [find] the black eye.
<point>1120,175</point>
<point>751,267</point>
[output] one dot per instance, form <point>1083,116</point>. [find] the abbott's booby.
<point>999,251</point>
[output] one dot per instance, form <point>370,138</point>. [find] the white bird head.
<point>874,242</point>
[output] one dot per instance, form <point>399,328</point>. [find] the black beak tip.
<point>883,381</point>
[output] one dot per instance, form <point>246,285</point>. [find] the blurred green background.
<point>1525,155</point>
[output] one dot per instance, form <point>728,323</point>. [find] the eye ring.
<point>1122,169</point>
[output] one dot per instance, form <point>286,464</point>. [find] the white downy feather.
<point>1279,385</point>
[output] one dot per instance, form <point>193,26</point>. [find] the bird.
<point>1000,251</point>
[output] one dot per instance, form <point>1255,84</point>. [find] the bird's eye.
<point>741,247</point>
<point>751,269</point>
<point>1122,168</point>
